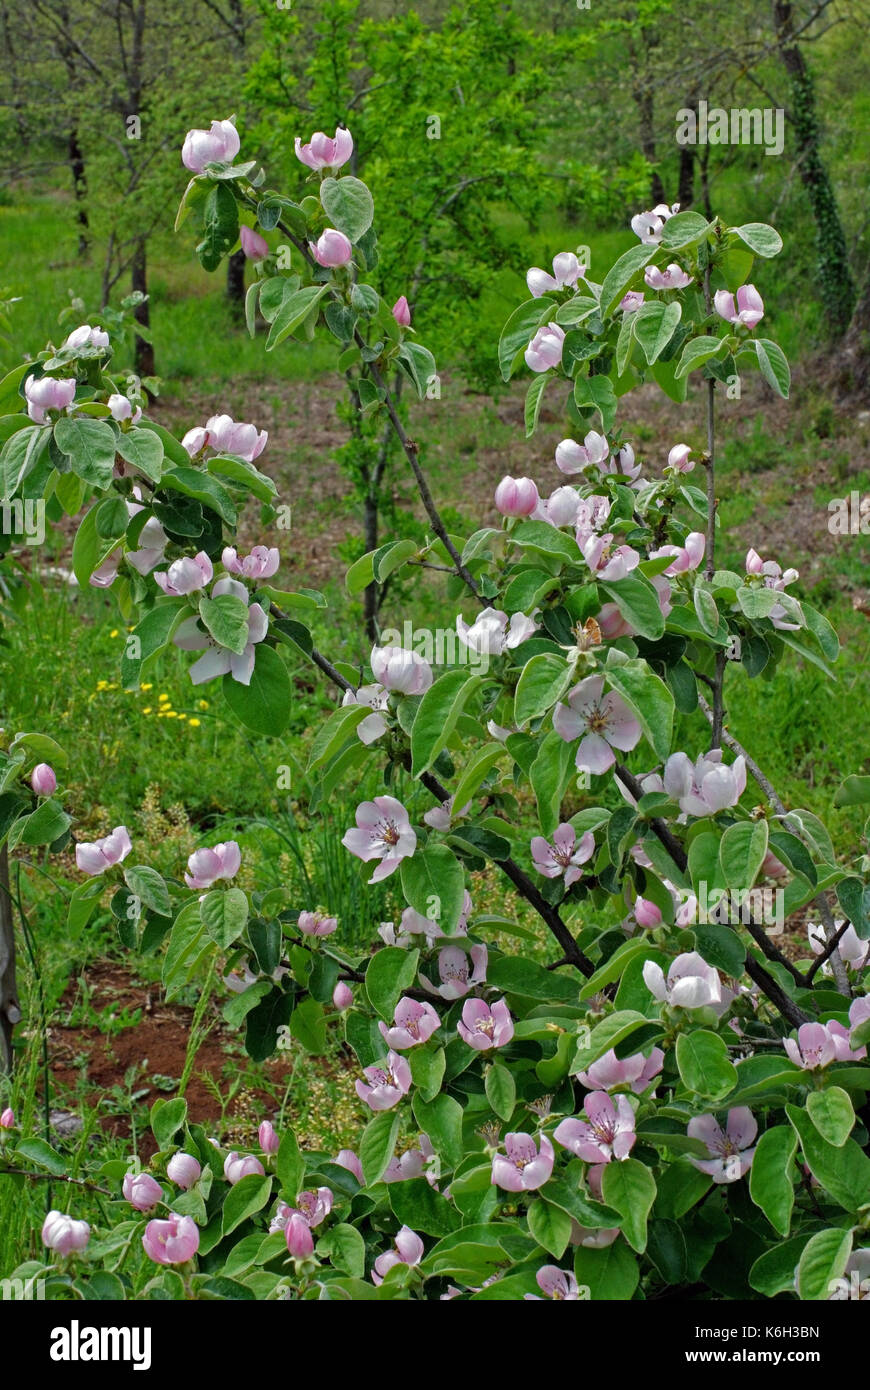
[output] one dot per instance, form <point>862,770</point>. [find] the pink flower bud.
<point>754,562</point>
<point>86,337</point>
<point>184,1170</point>
<point>63,1235</point>
<point>646,913</point>
<point>297,1233</point>
<point>43,780</point>
<point>142,1191</point>
<point>102,854</point>
<point>195,441</point>
<point>346,1158</point>
<point>171,1242</point>
<point>7,1119</point>
<point>397,668</point>
<point>315,924</point>
<point>47,393</point>
<point>342,995</point>
<point>255,247</point>
<point>237,1167</point>
<point>218,145</point>
<point>332,249</point>
<point>545,349</point>
<point>321,152</point>
<point>267,1138</point>
<point>122,408</point>
<point>516,496</point>
<point>678,459</point>
<point>401,312</point>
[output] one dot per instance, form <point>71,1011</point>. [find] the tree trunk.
<point>371,597</point>
<point>643,97</point>
<point>236,282</point>
<point>76,160</point>
<point>143,351</point>
<point>837,285</point>
<point>10,1010</point>
<point>686,177</point>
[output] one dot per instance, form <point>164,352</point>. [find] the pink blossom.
<point>43,780</point>
<point>484,1026</point>
<point>48,393</point>
<point>383,831</point>
<point>748,311</point>
<point>622,465</point>
<point>297,1234</point>
<point>401,312</point>
<point>442,817</point>
<point>312,1207</point>
<point>492,632</point>
<point>261,563</point>
<point>122,408</point>
<point>142,1191</point>
<point>774,577</point>
<point>171,1242</point>
<point>686,557</point>
<point>315,924</point>
<point>96,857</point>
<point>62,1234</point>
<point>606,1133</point>
<point>602,722</point>
<point>555,1283</point>
<point>516,496</point>
<point>230,436</point>
<point>267,1138</point>
<point>346,1158</point>
<point>691,984</point>
<point>560,508</point>
<point>572,457</point>
<point>323,152</point>
<point>649,225</point>
<point>413,1024</point>
<point>545,349</point>
<point>607,561</point>
<point>195,441</point>
<point>524,1165</point>
<point>7,1118</point>
<point>218,145</point>
<point>238,1166</point>
<point>411,1164</point>
<point>87,337</point>
<point>646,913</point>
<point>374,726</point>
<point>387,1083</point>
<point>255,247</point>
<point>186,575</point>
<point>678,459</point>
<point>408,1250</point>
<point>819,1044</point>
<point>398,669</point>
<point>567,270</point>
<point>206,866</point>
<point>611,1072</point>
<point>456,975</point>
<point>592,514</point>
<point>184,1170</point>
<point>342,995</point>
<point>631,301</point>
<point>218,660</point>
<point>731,1150</point>
<point>852,950</point>
<point>564,855</point>
<point>153,540</point>
<point>706,786</point>
<point>332,249</point>
<point>672,278</point>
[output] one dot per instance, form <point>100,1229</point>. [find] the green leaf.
<point>741,853</point>
<point>519,331</point>
<point>345,1249</point>
<point>416,1204</point>
<point>622,275</point>
<point>192,482</point>
<point>550,1226</point>
<point>544,680</point>
<point>773,365</point>
<point>649,700</point>
<point>349,205</point>
<point>290,1166</point>
<point>427,1070</point>
<point>638,602</point>
<point>43,1155</point>
<point>501,1091</point>
<point>144,450</point>
<point>226,618</point>
<point>607,1034</point>
<point>377,1145</point>
<point>528,980</point>
<point>263,706</point>
<point>433,882</point>
<point>293,312</point>
<point>437,715</point>
<point>308,1026</point>
<point>684,229</point>
<point>844,1171</point>
<point>244,475</point>
<point>45,825</point>
<point>149,637</point>
<point>654,325</point>
<point>247,1196</point>
<point>90,445</point>
<point>697,351</point>
<point>220,226</point>
<point>148,885</point>
<point>630,1188</point>
<point>610,1275</point>
<point>334,734</point>
<point>224,913</point>
<point>854,791</point>
<point>759,237</point>
<point>596,393</point>
<point>481,764</point>
<point>441,1119</point>
<point>167,1118</point>
<point>772,1176</point>
<point>822,1262</point>
<point>704,1064</point>
<point>390,972</point>
<point>21,455</point>
<point>549,774</point>
<point>831,1112</point>
<point>534,397</point>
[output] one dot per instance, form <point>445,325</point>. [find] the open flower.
<point>545,349</point>
<point>457,975</point>
<point>312,1207</point>
<point>686,557</point>
<point>558,1284</point>
<point>691,984</point>
<point>408,1250</point>
<point>414,1023</point>
<point>611,1072</point>
<point>564,855</point>
<point>316,924</point>
<point>325,152</point>
<point>572,457</point>
<point>484,1026</point>
<point>649,225</point>
<point>87,337</point>
<point>731,1149</point>
<point>44,393</point>
<point>706,786</point>
<point>186,575</point>
<point>607,1132</point>
<point>206,866</point>
<point>171,1242</point>
<point>386,1083</point>
<point>262,562</point>
<point>122,408</point>
<point>492,632</point>
<point>413,1163</point>
<point>606,560</point>
<point>218,660</point>
<point>631,301</point>
<point>673,277</point>
<point>396,668</point>
<point>853,951</point>
<point>383,831</point>
<point>678,459</point>
<point>230,436</point>
<point>523,1166</point>
<point>567,270</point>
<point>819,1044</point>
<point>218,145</point>
<point>601,721</point>
<point>748,311</point>
<point>374,726</point>
<point>99,855</point>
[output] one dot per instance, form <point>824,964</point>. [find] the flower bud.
<point>63,1235</point>
<point>171,1242</point>
<point>646,913</point>
<point>184,1170</point>
<point>402,312</point>
<point>43,780</point>
<point>142,1191</point>
<point>7,1118</point>
<point>237,1167</point>
<point>332,249</point>
<point>267,1138</point>
<point>300,1241</point>
<point>255,247</point>
<point>342,995</point>
<point>516,496</point>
